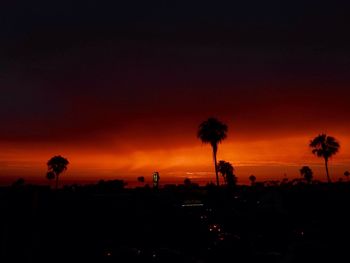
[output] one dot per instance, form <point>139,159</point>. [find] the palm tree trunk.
<point>327,171</point>
<point>56,181</point>
<point>215,150</point>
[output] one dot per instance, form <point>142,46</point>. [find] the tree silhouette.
<point>252,179</point>
<point>50,176</point>
<point>213,132</point>
<point>347,174</point>
<point>56,165</point>
<point>325,146</point>
<point>20,182</point>
<point>141,179</point>
<point>231,180</point>
<point>187,182</point>
<point>307,173</point>
<point>225,168</point>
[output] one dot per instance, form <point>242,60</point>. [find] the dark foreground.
<point>303,223</point>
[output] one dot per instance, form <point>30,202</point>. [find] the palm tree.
<point>225,168</point>
<point>252,179</point>
<point>307,173</point>
<point>231,180</point>
<point>347,174</point>
<point>325,146</point>
<point>56,165</point>
<point>213,132</point>
<point>50,176</point>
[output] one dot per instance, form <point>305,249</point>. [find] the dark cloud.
<point>75,69</point>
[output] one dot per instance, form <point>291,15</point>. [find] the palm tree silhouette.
<point>325,146</point>
<point>212,131</point>
<point>252,179</point>
<point>347,174</point>
<point>225,168</point>
<point>231,179</point>
<point>50,176</point>
<point>307,173</point>
<point>56,165</point>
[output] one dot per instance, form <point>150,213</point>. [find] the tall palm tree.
<point>56,165</point>
<point>213,132</point>
<point>347,174</point>
<point>325,146</point>
<point>225,168</point>
<point>307,173</point>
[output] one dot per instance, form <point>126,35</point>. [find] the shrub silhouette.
<point>307,173</point>
<point>141,179</point>
<point>252,179</point>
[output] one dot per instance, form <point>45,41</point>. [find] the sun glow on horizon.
<point>263,158</point>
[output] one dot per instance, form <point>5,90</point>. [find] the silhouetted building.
<point>156,178</point>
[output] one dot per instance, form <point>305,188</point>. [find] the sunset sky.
<point>120,89</point>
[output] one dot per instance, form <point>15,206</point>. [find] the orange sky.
<point>109,136</point>
<point>267,159</point>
